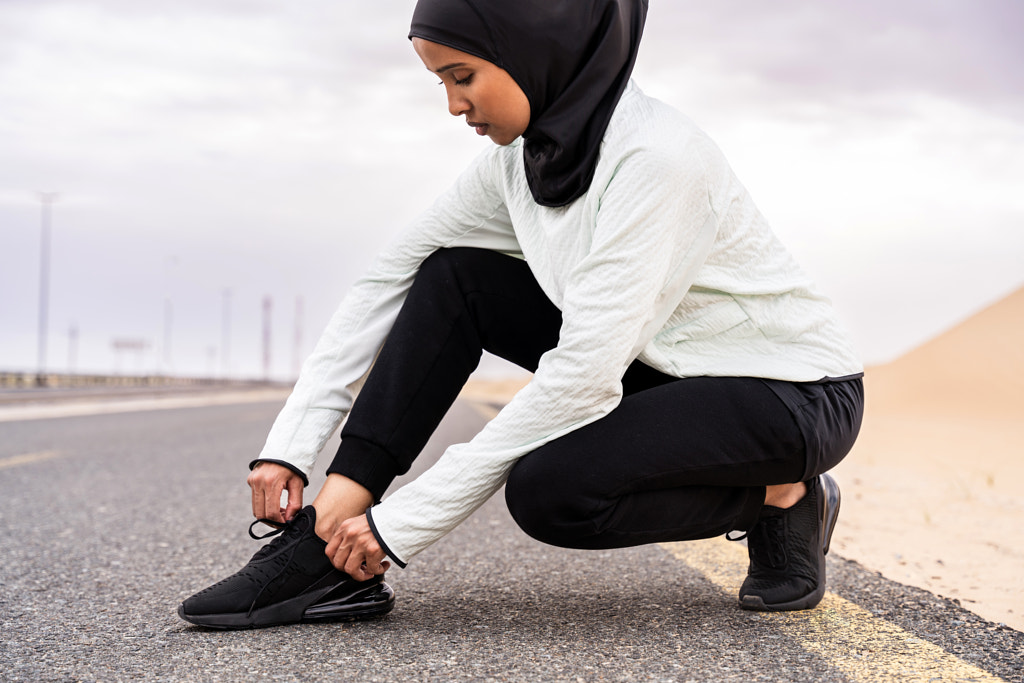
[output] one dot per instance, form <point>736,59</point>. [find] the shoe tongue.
<point>769,542</point>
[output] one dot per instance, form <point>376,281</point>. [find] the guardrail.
<point>19,380</point>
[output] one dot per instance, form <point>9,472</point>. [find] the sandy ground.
<point>935,502</point>
<point>933,492</point>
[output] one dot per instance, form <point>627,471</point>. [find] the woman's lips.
<point>481,128</point>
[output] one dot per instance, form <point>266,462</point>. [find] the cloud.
<point>803,49</point>
<point>274,147</point>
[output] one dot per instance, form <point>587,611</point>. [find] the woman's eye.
<point>459,81</point>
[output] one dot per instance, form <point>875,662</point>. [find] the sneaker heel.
<point>831,498</point>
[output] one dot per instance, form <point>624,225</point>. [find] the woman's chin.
<point>503,140</point>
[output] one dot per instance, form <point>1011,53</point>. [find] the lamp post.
<point>47,199</point>
<point>167,366</point>
<point>72,348</point>
<point>225,335</point>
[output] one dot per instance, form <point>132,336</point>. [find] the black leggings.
<point>678,459</point>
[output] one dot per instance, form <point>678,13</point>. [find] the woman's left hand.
<point>354,550</point>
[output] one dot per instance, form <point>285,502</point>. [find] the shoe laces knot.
<point>285,533</point>
<point>767,542</point>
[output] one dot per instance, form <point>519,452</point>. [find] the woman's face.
<point>491,100</point>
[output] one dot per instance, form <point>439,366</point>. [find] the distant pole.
<point>167,364</point>
<point>211,360</point>
<point>72,348</point>
<point>47,200</point>
<point>268,304</point>
<point>297,338</point>
<point>168,321</point>
<point>225,334</point>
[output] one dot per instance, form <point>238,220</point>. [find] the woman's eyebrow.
<point>448,67</point>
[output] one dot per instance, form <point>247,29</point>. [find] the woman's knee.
<point>438,268</point>
<point>546,506</point>
<point>454,264</point>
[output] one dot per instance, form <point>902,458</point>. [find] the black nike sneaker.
<point>787,549</point>
<point>287,581</point>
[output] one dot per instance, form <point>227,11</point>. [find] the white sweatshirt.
<point>665,259</point>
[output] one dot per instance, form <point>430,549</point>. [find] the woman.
<point>688,378</point>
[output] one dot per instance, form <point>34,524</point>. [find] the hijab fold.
<point>572,59</point>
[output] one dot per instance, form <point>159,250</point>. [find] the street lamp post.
<point>225,335</point>
<point>47,199</point>
<point>167,366</point>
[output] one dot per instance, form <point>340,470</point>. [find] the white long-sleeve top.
<point>665,259</point>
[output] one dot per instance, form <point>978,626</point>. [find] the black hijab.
<point>572,59</point>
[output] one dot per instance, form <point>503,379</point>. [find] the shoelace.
<point>769,536</point>
<point>275,529</point>
<point>769,546</point>
<point>284,533</point>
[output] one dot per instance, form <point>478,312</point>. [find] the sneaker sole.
<point>828,508</point>
<point>828,502</point>
<point>366,603</point>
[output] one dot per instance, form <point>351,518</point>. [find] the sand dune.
<point>932,490</point>
<point>978,366</point>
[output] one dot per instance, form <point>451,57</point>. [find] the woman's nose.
<point>457,104</point>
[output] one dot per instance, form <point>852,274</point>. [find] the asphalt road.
<point>108,521</point>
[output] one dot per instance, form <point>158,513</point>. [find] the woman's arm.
<point>654,230</point>
<point>471,212</point>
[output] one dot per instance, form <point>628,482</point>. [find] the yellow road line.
<point>849,637</point>
<point>27,458</point>
<point>485,410</point>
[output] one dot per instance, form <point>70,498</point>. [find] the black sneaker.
<point>289,580</point>
<point>787,549</point>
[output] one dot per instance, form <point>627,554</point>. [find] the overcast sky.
<point>269,149</point>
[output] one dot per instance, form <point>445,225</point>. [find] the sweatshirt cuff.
<point>293,468</point>
<point>380,541</point>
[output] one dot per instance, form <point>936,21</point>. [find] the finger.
<point>376,568</point>
<point>380,565</point>
<point>261,500</point>
<point>338,550</point>
<point>294,497</point>
<point>272,502</point>
<point>257,481</point>
<point>256,497</point>
<point>259,506</point>
<point>355,567</point>
<point>332,546</point>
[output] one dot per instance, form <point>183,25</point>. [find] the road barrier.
<point>20,380</point>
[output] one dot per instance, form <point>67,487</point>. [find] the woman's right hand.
<point>267,480</point>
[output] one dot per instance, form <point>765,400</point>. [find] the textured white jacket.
<point>665,259</point>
